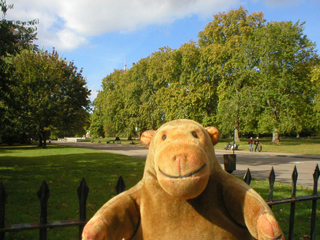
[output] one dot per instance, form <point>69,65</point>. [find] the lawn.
<point>287,145</point>
<point>22,170</point>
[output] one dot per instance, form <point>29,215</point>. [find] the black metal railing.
<point>293,199</point>
<point>43,226</point>
<point>83,191</point>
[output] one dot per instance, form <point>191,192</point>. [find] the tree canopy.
<point>243,74</point>
<point>14,36</point>
<point>41,93</point>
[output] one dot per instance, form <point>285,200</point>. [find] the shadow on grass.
<point>22,171</point>
<point>76,165</point>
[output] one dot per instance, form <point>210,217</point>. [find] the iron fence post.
<point>272,179</point>
<point>43,195</point>
<point>294,178</point>
<point>247,177</point>
<point>83,191</point>
<point>314,203</point>
<point>121,186</point>
<point>3,199</point>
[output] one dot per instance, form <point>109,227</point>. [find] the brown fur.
<point>184,194</point>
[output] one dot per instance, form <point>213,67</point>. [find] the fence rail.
<point>83,191</point>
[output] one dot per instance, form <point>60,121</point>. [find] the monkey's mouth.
<point>183,176</point>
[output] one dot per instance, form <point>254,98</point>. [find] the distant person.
<point>227,146</point>
<point>251,144</point>
<point>257,142</point>
<point>234,146</point>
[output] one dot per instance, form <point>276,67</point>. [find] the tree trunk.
<point>236,135</point>
<point>236,132</point>
<point>44,141</point>
<point>40,140</point>
<point>275,136</point>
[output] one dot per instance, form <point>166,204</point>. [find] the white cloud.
<point>68,24</point>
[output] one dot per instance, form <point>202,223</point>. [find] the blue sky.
<point>99,35</point>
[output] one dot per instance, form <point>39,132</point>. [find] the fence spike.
<point>3,201</point>
<point>272,178</point>
<point>121,186</point>
<point>3,193</point>
<point>294,178</point>
<point>83,191</point>
<point>314,203</point>
<point>247,177</point>
<point>43,195</point>
<point>315,180</point>
<point>44,191</point>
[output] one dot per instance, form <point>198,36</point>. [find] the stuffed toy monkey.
<point>184,194</point>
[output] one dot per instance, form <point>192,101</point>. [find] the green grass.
<point>282,211</point>
<point>287,145</point>
<point>22,170</point>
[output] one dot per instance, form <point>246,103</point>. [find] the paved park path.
<point>259,163</point>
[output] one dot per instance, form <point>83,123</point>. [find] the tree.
<point>49,95</point>
<point>189,93</point>
<point>243,75</point>
<point>14,36</point>
<point>262,73</point>
<point>228,63</point>
<point>315,80</point>
<point>282,82</point>
<point>96,118</point>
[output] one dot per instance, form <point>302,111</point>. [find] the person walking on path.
<point>251,144</point>
<point>257,142</point>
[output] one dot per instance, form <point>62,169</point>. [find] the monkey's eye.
<point>195,135</point>
<point>164,137</point>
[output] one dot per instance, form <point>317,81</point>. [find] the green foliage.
<point>286,145</point>
<point>243,74</point>
<point>39,92</point>
<point>283,76</point>
<point>14,37</point>
<point>225,45</point>
<point>315,81</point>
<point>50,95</point>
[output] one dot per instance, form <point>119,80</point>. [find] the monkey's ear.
<point>146,137</point>
<point>214,134</point>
